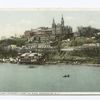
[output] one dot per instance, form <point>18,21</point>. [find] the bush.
<point>86,52</point>
<point>80,41</point>
<point>16,41</point>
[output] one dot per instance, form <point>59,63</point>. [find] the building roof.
<point>33,54</point>
<point>25,54</point>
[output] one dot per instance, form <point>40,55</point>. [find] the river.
<point>49,78</point>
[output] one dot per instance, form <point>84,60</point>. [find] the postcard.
<point>49,51</point>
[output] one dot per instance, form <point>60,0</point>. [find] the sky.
<point>17,21</point>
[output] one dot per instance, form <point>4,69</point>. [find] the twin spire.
<point>62,21</point>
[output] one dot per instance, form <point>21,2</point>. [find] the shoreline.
<point>83,64</point>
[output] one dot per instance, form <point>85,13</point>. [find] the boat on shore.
<point>31,58</point>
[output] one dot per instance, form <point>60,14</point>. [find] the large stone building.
<point>40,34</point>
<point>57,32</point>
<point>60,31</point>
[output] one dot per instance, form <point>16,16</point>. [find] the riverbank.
<point>56,63</point>
<point>56,58</point>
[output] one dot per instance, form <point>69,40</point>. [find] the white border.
<point>93,4</point>
<point>49,93</point>
<point>49,3</point>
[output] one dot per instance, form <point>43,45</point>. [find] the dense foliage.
<point>87,31</point>
<point>15,41</point>
<point>4,53</point>
<point>78,41</point>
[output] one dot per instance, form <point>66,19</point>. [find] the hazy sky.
<point>16,22</point>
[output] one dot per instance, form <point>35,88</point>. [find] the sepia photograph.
<point>49,51</point>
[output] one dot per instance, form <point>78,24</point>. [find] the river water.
<point>49,78</point>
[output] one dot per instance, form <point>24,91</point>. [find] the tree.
<point>87,31</point>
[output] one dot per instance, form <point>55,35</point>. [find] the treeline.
<point>5,52</point>
<point>14,41</point>
<point>87,31</point>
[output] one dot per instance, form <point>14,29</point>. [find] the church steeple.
<point>53,27</point>
<point>53,23</point>
<point>62,21</point>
